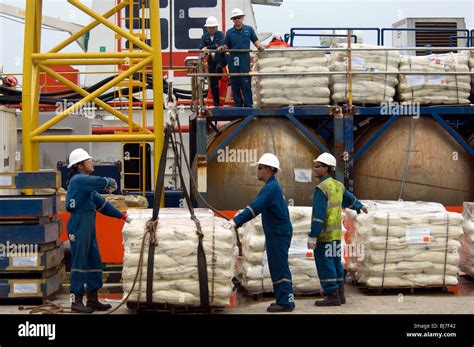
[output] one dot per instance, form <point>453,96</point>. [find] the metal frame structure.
<point>469,37</point>
<point>343,118</point>
<point>137,61</point>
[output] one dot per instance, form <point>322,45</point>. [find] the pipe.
<point>113,130</point>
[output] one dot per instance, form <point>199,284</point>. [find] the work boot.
<point>277,308</point>
<point>342,297</point>
<point>78,305</point>
<point>93,302</point>
<point>330,300</point>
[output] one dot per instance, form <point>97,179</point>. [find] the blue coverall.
<point>82,202</point>
<point>240,62</point>
<point>278,231</point>
<point>327,255</point>
<point>215,62</point>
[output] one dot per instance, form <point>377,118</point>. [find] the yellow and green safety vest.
<point>334,191</point>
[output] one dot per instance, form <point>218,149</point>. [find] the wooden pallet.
<point>48,256</point>
<point>30,285</point>
<point>408,290</point>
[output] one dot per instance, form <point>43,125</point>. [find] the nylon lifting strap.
<point>159,184</point>
<point>201,255</point>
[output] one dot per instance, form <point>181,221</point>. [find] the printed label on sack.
<point>371,69</point>
<point>436,80</point>
<point>416,234</point>
<point>437,62</point>
<point>24,288</point>
<point>25,261</point>
<point>358,61</point>
<point>415,80</point>
<point>303,175</point>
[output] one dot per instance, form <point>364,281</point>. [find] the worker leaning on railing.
<point>239,37</point>
<point>216,62</point>
<point>82,202</point>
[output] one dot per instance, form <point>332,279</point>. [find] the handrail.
<point>292,31</point>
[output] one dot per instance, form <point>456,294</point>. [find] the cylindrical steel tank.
<point>232,176</point>
<point>8,144</point>
<point>438,170</point>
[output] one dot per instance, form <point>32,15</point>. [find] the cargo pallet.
<point>31,261</point>
<point>401,290</point>
<point>21,286</point>
<point>411,290</point>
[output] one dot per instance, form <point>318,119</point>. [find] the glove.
<point>312,242</point>
<point>365,209</point>
<point>205,50</point>
<point>220,49</point>
<point>230,224</point>
<point>261,48</point>
<point>126,218</point>
<point>112,185</point>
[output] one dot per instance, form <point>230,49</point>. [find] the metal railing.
<point>349,72</point>
<point>293,32</point>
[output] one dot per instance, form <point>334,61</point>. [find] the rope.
<point>386,250</point>
<point>202,261</point>
<point>385,77</point>
<point>195,190</point>
<point>455,76</point>
<point>47,308</point>
<point>407,77</point>
<point>446,249</point>
<point>407,160</point>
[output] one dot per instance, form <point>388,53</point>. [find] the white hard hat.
<point>77,156</point>
<point>269,159</point>
<point>236,12</point>
<point>327,159</point>
<point>211,21</point>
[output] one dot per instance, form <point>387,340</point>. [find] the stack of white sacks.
<point>291,89</point>
<point>435,89</point>
<point>467,241</point>
<point>176,279</point>
<point>253,271</point>
<point>407,244</point>
<point>367,88</point>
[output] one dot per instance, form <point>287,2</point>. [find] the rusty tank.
<point>414,160</point>
<point>232,175</point>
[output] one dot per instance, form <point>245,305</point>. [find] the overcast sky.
<point>293,13</point>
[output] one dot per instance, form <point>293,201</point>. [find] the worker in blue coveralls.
<point>330,197</point>
<point>239,37</point>
<point>211,40</point>
<point>277,228</point>
<point>82,202</point>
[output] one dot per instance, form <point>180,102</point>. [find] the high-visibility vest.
<point>334,191</point>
